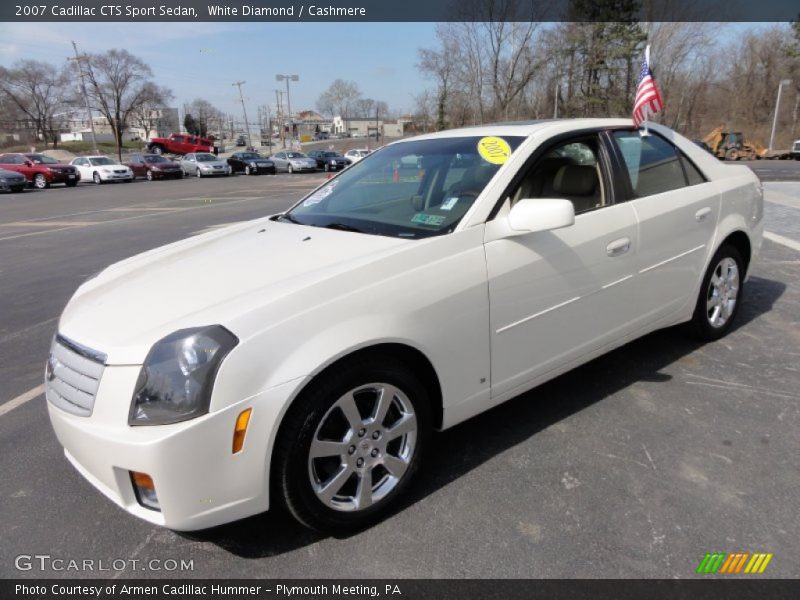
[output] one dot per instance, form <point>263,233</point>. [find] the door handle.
<point>701,214</point>
<point>617,247</point>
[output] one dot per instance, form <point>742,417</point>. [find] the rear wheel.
<point>720,294</point>
<point>351,443</point>
<point>40,182</point>
<point>157,150</point>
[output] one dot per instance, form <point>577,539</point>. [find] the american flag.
<point>648,96</point>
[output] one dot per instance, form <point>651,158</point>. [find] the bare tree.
<point>148,114</point>
<point>37,90</point>
<point>119,84</point>
<point>340,98</point>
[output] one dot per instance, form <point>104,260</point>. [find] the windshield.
<point>205,157</point>
<point>330,154</point>
<point>296,155</point>
<point>42,159</point>
<point>250,155</point>
<point>101,160</point>
<point>154,158</point>
<point>412,189</point>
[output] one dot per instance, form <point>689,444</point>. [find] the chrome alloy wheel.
<point>355,461</point>
<point>723,292</point>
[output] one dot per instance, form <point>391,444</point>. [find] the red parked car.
<point>154,166</point>
<point>40,170</point>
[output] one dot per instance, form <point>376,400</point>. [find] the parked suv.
<point>181,143</point>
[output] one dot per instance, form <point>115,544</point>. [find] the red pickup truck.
<point>181,143</point>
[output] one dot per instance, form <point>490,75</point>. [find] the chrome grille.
<point>72,376</point>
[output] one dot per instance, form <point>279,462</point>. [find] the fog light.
<point>242,421</point>
<point>145,490</point>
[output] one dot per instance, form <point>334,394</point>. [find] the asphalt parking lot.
<point>634,465</point>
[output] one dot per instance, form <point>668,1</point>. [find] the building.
<point>369,127</point>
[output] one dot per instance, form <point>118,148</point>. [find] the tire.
<point>720,296</point>
<point>317,415</point>
<point>157,150</point>
<point>149,175</point>
<point>290,169</point>
<point>96,178</point>
<point>40,182</point>
<point>326,168</point>
<point>198,174</point>
<point>732,154</point>
<point>247,170</point>
<point>72,183</point>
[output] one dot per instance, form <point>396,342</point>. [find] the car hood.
<point>163,165</point>
<point>213,278</point>
<point>209,163</point>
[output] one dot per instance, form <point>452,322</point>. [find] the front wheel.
<point>40,182</point>
<point>96,178</point>
<point>157,150</point>
<point>290,169</point>
<point>198,174</point>
<point>720,294</point>
<point>149,175</point>
<point>247,170</point>
<point>351,443</point>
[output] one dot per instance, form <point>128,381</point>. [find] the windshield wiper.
<point>343,227</point>
<point>289,218</point>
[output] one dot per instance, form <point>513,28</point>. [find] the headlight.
<point>106,170</point>
<point>3,180</point>
<point>178,375</point>
<point>252,164</point>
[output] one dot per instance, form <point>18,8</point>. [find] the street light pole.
<point>239,84</point>
<point>287,78</point>
<point>777,107</point>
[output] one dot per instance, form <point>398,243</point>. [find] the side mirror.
<point>541,214</point>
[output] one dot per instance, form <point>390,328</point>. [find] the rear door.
<point>677,210</point>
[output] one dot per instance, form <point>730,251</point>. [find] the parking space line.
<point>783,241</point>
<point>48,223</point>
<point>21,399</point>
<point>224,202</point>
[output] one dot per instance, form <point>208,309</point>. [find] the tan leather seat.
<point>580,184</point>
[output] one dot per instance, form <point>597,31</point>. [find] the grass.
<point>78,147</point>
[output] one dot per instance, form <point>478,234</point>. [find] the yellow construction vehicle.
<point>732,145</point>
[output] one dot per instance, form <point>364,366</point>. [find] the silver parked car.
<point>202,164</point>
<point>292,162</point>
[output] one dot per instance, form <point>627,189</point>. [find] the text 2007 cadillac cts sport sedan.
<point>305,358</point>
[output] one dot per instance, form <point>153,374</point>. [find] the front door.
<point>557,295</point>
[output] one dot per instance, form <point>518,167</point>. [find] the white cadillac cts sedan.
<point>305,358</point>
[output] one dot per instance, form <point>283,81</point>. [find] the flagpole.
<point>646,108</point>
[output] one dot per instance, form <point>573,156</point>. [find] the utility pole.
<point>239,84</point>
<point>279,100</point>
<point>78,58</point>
<point>777,108</point>
<point>288,78</point>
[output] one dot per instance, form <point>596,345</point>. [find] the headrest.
<point>575,180</point>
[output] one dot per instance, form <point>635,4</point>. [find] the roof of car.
<point>526,128</point>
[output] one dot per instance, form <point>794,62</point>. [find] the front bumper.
<point>115,176</point>
<point>13,186</point>
<point>198,481</point>
<point>60,177</point>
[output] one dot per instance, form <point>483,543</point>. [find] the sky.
<point>202,60</point>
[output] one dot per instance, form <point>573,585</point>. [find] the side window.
<point>652,162</point>
<point>569,170</point>
<point>178,138</point>
<point>693,174</point>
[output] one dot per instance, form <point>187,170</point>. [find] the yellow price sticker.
<point>494,150</point>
